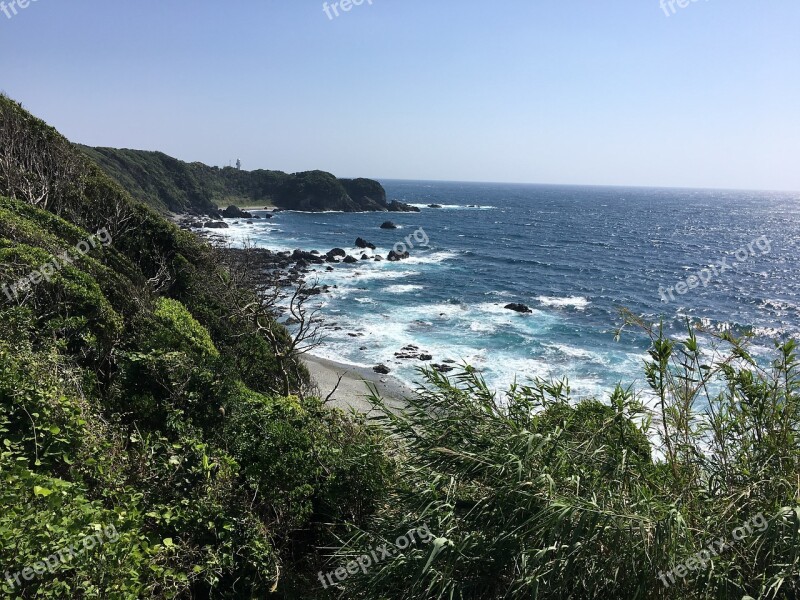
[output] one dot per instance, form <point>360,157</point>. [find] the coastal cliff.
<point>168,184</point>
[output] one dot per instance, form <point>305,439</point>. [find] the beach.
<point>352,392</point>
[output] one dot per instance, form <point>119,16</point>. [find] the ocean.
<point>574,255</point>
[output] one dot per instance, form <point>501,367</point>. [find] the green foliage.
<point>532,497</point>
<point>165,183</point>
<point>180,331</point>
<point>124,401</point>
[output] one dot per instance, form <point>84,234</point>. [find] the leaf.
<point>168,542</point>
<point>40,491</point>
<point>55,430</point>
<point>438,545</point>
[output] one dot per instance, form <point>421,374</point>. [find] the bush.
<point>530,497</point>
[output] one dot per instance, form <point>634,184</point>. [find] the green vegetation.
<point>135,392</point>
<point>139,389</point>
<point>165,183</point>
<point>535,497</point>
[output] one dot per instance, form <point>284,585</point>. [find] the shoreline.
<point>352,392</point>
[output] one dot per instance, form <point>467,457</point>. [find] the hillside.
<point>166,183</point>
<point>145,404</point>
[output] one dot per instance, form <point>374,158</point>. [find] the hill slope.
<point>166,183</point>
<point>144,405</point>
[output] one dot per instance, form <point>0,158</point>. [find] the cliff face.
<point>166,183</point>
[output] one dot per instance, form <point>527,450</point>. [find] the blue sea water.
<point>574,255</point>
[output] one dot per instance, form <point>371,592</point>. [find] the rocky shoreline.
<point>292,269</point>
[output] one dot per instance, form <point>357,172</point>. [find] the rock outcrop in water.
<point>234,212</point>
<point>395,256</point>
<point>520,308</point>
<point>397,206</point>
<point>363,244</point>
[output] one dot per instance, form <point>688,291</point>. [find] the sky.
<point>528,91</point>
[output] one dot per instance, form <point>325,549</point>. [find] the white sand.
<point>352,391</point>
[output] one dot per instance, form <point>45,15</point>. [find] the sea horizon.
<point>564,251</point>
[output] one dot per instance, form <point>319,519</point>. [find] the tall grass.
<point>534,496</point>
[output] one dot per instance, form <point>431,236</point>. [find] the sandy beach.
<point>352,391</point>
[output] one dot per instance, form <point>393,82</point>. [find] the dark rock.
<point>388,225</point>
<point>249,222</point>
<point>350,259</point>
<point>308,257</point>
<point>329,269</point>
<point>395,206</point>
<point>434,206</point>
<point>216,225</point>
<point>394,256</point>
<point>363,348</point>
<point>310,291</point>
<point>382,369</point>
<point>364,257</point>
<point>337,252</point>
<point>234,212</point>
<point>449,361</point>
<point>520,308</point>
<point>425,357</point>
<point>378,258</point>
<point>443,368</point>
<point>362,243</point>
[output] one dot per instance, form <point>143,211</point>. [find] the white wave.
<point>500,293</point>
<point>578,302</point>
<point>482,327</point>
<point>430,259</point>
<point>454,206</point>
<point>403,289</point>
<point>769,332</point>
<point>354,277</point>
<point>573,352</point>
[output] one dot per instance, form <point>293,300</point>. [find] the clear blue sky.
<point>548,91</point>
